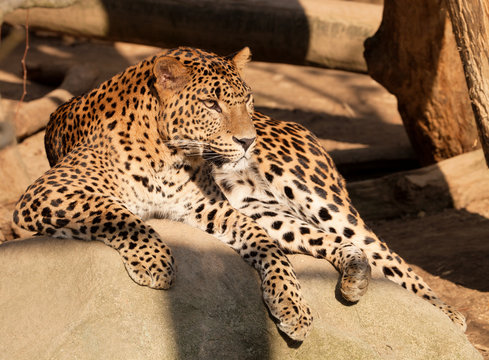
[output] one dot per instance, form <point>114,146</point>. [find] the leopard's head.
<point>206,107</point>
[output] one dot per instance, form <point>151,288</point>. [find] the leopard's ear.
<point>240,58</point>
<point>171,74</point>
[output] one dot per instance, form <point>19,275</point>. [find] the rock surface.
<point>66,299</point>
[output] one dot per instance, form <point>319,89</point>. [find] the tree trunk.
<point>471,28</point>
<point>413,54</point>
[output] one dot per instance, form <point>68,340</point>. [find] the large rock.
<point>66,299</point>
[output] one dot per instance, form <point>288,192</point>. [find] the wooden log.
<point>461,182</point>
<point>33,116</point>
<point>324,33</point>
<point>7,6</point>
<point>413,55</point>
<point>470,22</point>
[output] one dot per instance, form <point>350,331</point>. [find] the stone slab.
<point>66,299</point>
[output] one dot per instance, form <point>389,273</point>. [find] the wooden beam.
<point>461,182</point>
<point>470,22</point>
<point>323,33</point>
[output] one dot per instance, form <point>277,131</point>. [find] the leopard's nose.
<point>244,142</point>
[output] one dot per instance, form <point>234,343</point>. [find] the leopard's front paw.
<point>288,307</point>
<point>154,270</point>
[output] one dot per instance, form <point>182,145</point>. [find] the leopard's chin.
<point>239,165</point>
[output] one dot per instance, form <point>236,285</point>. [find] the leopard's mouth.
<point>222,161</point>
<point>215,158</point>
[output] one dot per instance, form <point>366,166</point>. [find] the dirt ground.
<point>358,124</point>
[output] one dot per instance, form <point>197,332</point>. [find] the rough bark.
<point>325,33</point>
<point>413,54</point>
<point>471,28</point>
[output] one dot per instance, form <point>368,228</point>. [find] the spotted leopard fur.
<point>176,136</point>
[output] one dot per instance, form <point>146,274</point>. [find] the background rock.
<point>76,301</point>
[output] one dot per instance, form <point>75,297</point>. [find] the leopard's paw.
<point>292,314</point>
<point>157,272</point>
<point>355,279</point>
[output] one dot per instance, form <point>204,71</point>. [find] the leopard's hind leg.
<point>294,234</point>
<point>301,174</point>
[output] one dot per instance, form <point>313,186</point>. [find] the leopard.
<point>176,136</point>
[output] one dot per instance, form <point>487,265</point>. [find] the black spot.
<point>317,180</point>
<point>211,215</point>
<point>337,199</point>
<point>46,212</point>
<point>324,214</point>
<point>275,169</point>
<point>397,271</point>
<point>387,271</point>
<point>228,213</point>
<point>333,207</point>
<point>335,189</point>
<point>301,186</point>
<point>255,216</point>
<point>320,192</point>
<point>316,242</point>
<point>16,217</point>
<point>288,236</point>
<point>62,222</point>
<point>62,189</point>
<point>288,191</point>
<point>304,230</point>
<point>109,114</point>
<point>112,125</point>
<point>348,233</point>
<point>277,225</point>
<point>368,240</point>
<point>352,219</point>
<point>323,166</point>
<point>353,211</point>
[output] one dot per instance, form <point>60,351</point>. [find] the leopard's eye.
<point>249,103</point>
<point>212,104</point>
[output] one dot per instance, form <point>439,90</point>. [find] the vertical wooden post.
<point>470,23</point>
<point>413,55</point>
